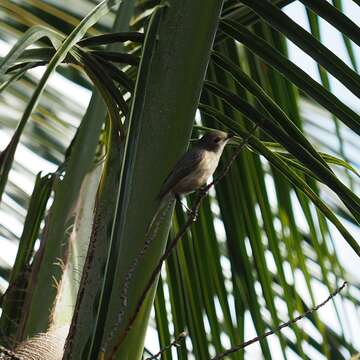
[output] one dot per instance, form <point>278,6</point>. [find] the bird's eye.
<point>217,139</point>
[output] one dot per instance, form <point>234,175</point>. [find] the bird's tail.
<point>165,203</point>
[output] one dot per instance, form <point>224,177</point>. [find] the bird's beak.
<point>230,135</point>
<point>232,139</point>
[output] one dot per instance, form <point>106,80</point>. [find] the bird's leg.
<point>200,192</point>
<point>177,197</point>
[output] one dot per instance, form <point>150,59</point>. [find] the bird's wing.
<point>182,168</point>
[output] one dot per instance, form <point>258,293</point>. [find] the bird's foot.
<point>177,197</point>
<point>191,212</point>
<point>194,214</point>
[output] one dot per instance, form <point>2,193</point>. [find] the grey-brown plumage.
<point>195,167</point>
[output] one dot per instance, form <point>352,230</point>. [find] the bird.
<point>196,166</point>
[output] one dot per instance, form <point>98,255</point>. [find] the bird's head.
<point>214,140</point>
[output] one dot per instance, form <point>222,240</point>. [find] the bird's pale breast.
<point>200,175</point>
